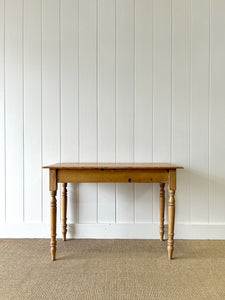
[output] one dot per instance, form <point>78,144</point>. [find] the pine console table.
<point>113,172</point>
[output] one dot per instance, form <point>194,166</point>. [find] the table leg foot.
<point>53,251</point>
<point>170,250</point>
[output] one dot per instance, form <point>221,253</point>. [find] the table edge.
<point>118,167</point>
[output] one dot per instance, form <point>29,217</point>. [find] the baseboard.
<point>119,231</point>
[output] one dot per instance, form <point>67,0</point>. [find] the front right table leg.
<point>171,212</point>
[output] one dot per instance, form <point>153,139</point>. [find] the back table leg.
<point>162,208</point>
<point>64,209</point>
<point>53,223</point>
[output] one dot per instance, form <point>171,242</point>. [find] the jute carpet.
<point>112,269</point>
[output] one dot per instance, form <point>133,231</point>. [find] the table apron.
<point>106,175</point>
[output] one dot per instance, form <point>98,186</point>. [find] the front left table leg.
<point>64,208</point>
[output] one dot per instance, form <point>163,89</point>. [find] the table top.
<point>117,166</point>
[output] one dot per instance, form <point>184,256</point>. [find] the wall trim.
<point>107,231</point>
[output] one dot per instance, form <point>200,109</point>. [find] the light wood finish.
<point>103,172</point>
<point>171,212</point>
<point>53,210</point>
<point>106,175</point>
<point>162,208</point>
<point>52,180</point>
<point>112,166</point>
<point>64,209</point>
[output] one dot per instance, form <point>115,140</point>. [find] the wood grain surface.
<point>113,166</point>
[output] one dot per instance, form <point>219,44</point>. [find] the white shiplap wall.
<point>112,81</point>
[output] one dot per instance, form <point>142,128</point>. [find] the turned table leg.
<point>53,209</point>
<point>64,208</point>
<point>162,208</point>
<point>171,212</point>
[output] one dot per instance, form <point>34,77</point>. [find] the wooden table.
<point>113,172</point>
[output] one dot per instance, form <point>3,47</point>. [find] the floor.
<point>111,269</point>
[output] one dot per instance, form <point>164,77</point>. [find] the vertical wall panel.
<point>161,89</point>
<point>106,105</point>
<point>125,203</point>
<point>125,103</point>
<point>217,124</point>
<point>106,202</point>
<point>14,109</point>
<point>199,153</point>
<point>87,203</point>
<point>32,110</point>
<point>124,80</point>
<point>69,94</point>
<point>143,203</point>
<point>143,104</point>
<point>69,80</point>
<point>50,93</point>
<point>88,80</point>
<point>181,104</point>
<point>2,110</point>
<point>106,81</point>
<point>88,103</point>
